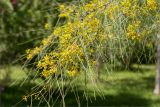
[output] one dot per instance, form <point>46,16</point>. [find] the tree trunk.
<point>157,78</point>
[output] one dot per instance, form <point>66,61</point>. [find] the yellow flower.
<point>29,56</point>
<point>131,32</point>
<point>46,41</point>
<point>68,28</point>
<point>28,51</point>
<point>53,70</point>
<point>63,14</point>
<point>125,5</point>
<point>94,62</point>
<point>111,11</point>
<point>45,73</point>
<point>57,31</point>
<point>94,22</point>
<point>137,23</point>
<point>72,73</point>
<point>24,98</point>
<point>47,26</point>
<point>46,59</point>
<point>36,50</point>
<point>151,4</point>
<point>61,7</point>
<point>89,6</point>
<point>39,64</point>
<point>67,36</point>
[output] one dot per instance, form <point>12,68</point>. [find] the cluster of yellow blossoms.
<point>65,12</point>
<point>152,4</point>
<point>136,16</point>
<point>139,15</point>
<point>73,46</point>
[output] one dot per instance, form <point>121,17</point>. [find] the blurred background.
<point>22,26</point>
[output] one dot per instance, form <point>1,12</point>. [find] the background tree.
<point>21,22</point>
<point>157,77</point>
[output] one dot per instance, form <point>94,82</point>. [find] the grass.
<point>119,88</point>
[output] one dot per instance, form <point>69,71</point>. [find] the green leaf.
<point>6,5</point>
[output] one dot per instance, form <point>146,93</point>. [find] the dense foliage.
<point>93,29</point>
<point>21,22</point>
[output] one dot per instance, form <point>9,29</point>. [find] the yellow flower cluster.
<point>89,6</point>
<point>72,42</point>
<point>132,33</point>
<point>132,30</point>
<point>152,4</point>
<point>112,11</point>
<point>72,73</point>
<point>129,7</point>
<point>73,45</point>
<point>47,26</point>
<point>133,11</point>
<point>65,12</point>
<point>32,53</point>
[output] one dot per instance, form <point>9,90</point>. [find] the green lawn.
<point>119,88</point>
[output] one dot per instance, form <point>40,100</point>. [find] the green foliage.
<point>18,28</point>
<point>6,5</point>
